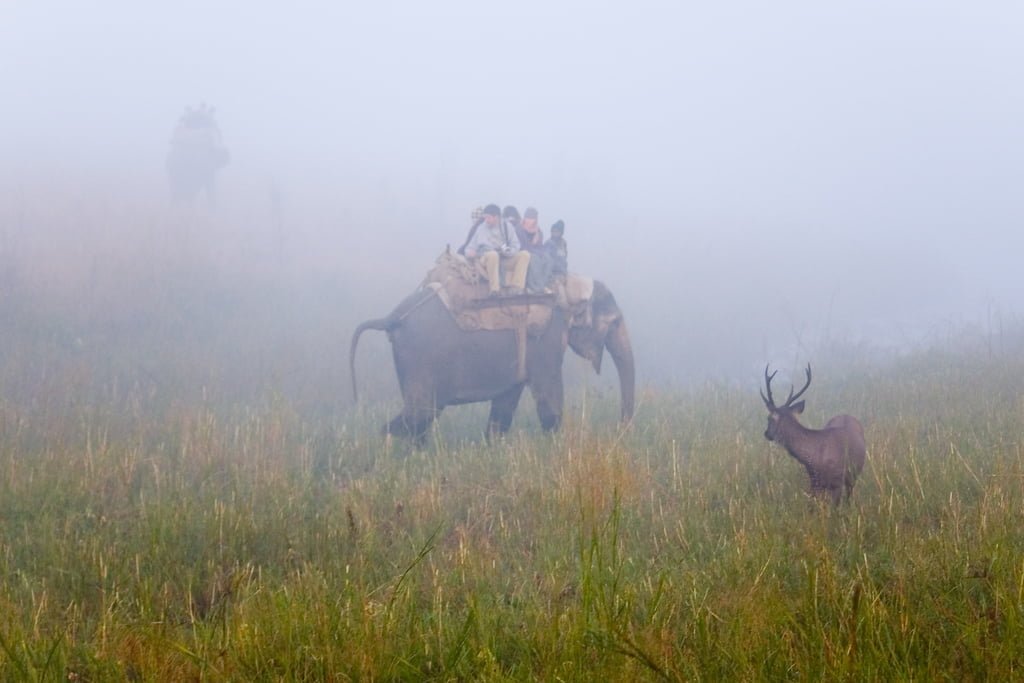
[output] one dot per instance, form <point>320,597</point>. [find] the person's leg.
<point>520,264</point>
<point>490,261</point>
<point>538,275</point>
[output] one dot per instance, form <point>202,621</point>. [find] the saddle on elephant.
<point>461,285</point>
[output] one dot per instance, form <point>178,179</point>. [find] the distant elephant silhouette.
<point>197,153</point>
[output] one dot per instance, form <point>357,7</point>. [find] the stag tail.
<point>383,324</point>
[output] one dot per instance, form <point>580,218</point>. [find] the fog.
<point>753,181</point>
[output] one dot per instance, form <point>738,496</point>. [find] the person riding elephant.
<point>558,250</point>
<point>510,215</point>
<point>531,237</point>
<point>495,245</point>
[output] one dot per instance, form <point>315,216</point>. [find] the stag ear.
<point>797,407</point>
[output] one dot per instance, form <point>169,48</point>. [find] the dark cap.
<point>511,212</point>
<point>558,227</point>
<point>530,213</point>
<point>492,210</point>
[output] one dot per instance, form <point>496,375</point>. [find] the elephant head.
<point>607,328</point>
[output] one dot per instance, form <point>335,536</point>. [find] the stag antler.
<point>768,400</point>
<point>789,401</point>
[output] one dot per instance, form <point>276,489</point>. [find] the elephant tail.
<point>387,324</point>
<point>382,324</point>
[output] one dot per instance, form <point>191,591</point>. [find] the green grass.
<point>253,544</point>
<point>185,494</point>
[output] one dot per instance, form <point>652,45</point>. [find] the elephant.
<point>439,364</point>
<point>197,153</point>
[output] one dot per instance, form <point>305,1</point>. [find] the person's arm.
<point>464,249</point>
<point>480,242</point>
<point>513,239</point>
<point>472,243</point>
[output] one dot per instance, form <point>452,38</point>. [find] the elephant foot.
<point>414,427</point>
<point>551,423</point>
<point>495,431</point>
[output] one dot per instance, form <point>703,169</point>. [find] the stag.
<point>833,456</point>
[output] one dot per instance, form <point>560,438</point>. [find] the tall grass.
<point>261,545</point>
<point>181,499</point>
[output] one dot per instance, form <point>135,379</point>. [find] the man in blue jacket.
<point>495,244</point>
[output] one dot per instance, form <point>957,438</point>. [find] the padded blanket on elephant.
<point>496,314</point>
<point>461,285</point>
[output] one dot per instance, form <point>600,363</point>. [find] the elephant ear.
<point>587,344</point>
<point>588,340</point>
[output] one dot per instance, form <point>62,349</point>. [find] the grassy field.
<point>259,544</point>
<point>185,494</point>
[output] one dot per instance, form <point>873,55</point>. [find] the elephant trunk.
<point>621,350</point>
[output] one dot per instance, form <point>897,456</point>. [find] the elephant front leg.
<point>549,403</point>
<point>549,421</point>
<point>503,409</point>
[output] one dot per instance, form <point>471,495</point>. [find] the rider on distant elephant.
<point>197,152</point>
<point>495,243</point>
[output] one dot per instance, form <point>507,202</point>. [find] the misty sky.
<point>795,164</point>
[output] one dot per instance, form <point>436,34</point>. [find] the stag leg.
<point>837,495</point>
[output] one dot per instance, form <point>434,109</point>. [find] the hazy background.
<point>755,181</point>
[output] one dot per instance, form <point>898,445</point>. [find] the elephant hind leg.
<point>414,425</point>
<point>503,409</point>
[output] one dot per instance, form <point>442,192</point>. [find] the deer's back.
<point>849,434</point>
